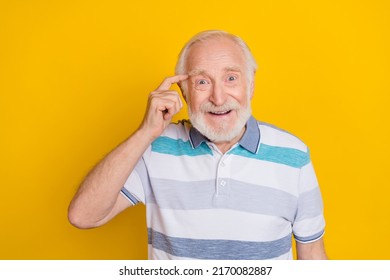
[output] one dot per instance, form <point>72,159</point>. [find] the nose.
<point>218,95</point>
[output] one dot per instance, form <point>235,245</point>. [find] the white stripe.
<point>217,224</point>
<point>155,254</point>
<point>177,131</point>
<point>308,179</point>
<point>264,173</point>
<point>134,186</point>
<point>315,225</point>
<point>275,137</point>
<point>180,168</point>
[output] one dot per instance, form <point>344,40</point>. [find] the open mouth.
<point>220,113</point>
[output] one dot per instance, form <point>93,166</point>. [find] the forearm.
<point>99,191</point>
<point>311,251</point>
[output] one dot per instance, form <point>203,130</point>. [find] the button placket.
<point>222,182</point>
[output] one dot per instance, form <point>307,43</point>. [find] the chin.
<point>223,131</point>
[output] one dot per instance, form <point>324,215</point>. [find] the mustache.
<point>228,106</point>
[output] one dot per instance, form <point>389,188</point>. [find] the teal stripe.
<point>178,147</point>
<point>287,156</point>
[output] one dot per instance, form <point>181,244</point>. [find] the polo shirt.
<point>244,204</point>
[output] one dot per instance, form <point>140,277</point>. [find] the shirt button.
<point>223,183</point>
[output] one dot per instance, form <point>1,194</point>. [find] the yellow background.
<point>75,76</point>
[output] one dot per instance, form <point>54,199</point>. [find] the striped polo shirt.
<point>244,204</point>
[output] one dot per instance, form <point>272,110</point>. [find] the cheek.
<point>195,106</point>
<point>241,96</point>
<point>245,95</point>
<point>195,100</point>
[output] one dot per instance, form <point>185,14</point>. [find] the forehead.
<point>202,71</point>
<point>215,54</point>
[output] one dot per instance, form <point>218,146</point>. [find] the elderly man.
<point>220,186</point>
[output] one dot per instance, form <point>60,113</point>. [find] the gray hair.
<point>206,35</point>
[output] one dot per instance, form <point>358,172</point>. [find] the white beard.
<point>221,133</point>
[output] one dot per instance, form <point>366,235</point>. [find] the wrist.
<point>143,136</point>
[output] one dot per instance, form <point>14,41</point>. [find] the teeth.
<point>221,113</point>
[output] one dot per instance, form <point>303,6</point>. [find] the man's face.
<point>218,90</point>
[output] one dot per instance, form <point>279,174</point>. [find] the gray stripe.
<point>219,249</point>
<point>309,205</point>
<point>174,194</point>
<point>171,194</point>
<point>263,200</point>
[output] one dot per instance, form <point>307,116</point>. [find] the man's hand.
<point>163,104</point>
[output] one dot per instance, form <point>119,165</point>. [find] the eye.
<point>202,82</point>
<point>232,78</point>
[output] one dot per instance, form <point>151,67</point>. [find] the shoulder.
<point>175,141</point>
<point>179,130</point>
<point>275,136</point>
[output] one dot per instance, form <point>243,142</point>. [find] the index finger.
<point>168,82</point>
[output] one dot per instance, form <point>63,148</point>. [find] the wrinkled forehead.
<point>206,72</point>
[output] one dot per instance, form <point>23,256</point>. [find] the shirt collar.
<point>249,141</point>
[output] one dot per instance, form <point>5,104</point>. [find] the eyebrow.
<point>198,71</point>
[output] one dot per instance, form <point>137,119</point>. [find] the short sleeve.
<point>309,223</point>
<point>133,188</point>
